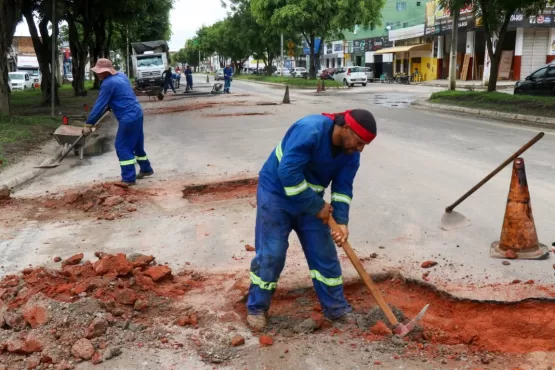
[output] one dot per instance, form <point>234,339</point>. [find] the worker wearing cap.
<point>316,151</point>
<point>116,92</point>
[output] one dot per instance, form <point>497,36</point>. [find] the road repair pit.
<point>193,106</point>
<point>522,327</point>
<point>225,190</point>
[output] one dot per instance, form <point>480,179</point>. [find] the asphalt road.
<point>421,162</point>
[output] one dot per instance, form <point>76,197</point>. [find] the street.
<point>421,162</point>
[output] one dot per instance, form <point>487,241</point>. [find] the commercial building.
<point>529,43</point>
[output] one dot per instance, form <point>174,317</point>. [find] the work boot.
<point>257,322</point>
<point>142,175</point>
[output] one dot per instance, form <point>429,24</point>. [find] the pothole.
<point>225,190</point>
<point>266,103</point>
<point>521,327</point>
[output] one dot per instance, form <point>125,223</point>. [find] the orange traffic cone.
<point>518,235</point>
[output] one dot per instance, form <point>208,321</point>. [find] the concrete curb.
<point>29,175</point>
<point>486,113</point>
<point>290,86</point>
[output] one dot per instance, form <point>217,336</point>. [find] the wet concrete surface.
<point>420,163</point>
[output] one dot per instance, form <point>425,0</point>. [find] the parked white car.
<point>19,81</point>
<point>349,76</point>
<point>286,72</point>
<point>299,72</point>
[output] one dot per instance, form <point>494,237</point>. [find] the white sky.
<point>186,17</point>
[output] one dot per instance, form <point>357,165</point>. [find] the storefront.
<point>529,43</point>
<point>413,53</point>
<point>380,63</point>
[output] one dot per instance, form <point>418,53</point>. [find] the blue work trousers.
<point>168,83</point>
<point>130,148</point>
<point>189,81</point>
<point>274,223</point>
<point>227,85</point>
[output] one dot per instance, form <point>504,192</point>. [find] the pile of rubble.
<point>84,311</point>
<point>107,201</point>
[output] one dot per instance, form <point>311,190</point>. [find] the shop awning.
<point>404,49</point>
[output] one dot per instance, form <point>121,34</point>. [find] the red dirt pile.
<point>85,310</point>
<point>107,201</point>
<point>234,189</point>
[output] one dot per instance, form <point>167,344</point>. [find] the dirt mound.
<point>106,201</point>
<point>233,189</point>
<point>85,311</point>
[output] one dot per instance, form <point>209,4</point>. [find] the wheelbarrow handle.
<point>524,148</point>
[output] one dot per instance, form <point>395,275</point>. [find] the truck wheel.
<point>160,96</point>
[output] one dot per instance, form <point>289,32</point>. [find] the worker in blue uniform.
<point>189,78</point>
<point>116,92</point>
<point>167,75</point>
<point>316,151</point>
<point>228,76</point>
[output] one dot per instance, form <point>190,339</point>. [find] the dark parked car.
<point>540,82</point>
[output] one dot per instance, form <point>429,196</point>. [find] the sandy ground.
<point>421,162</point>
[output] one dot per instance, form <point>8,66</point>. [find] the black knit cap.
<point>365,119</point>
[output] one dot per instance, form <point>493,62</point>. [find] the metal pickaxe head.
<point>402,329</point>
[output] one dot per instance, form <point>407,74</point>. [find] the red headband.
<point>350,121</point>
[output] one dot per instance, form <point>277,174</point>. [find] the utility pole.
<point>454,41</point>
<point>282,60</point>
<point>53,63</point>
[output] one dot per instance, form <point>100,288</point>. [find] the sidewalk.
<point>465,84</point>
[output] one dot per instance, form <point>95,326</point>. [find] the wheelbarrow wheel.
<point>160,96</point>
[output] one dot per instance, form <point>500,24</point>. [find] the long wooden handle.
<point>495,172</point>
<point>364,275</point>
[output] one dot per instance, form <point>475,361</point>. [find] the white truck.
<point>30,65</point>
<point>150,59</point>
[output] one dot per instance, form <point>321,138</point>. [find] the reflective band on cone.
<point>518,235</point>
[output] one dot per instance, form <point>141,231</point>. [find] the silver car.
<point>369,73</point>
<point>219,74</point>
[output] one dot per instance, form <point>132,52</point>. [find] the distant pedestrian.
<point>168,80</point>
<point>177,79</point>
<point>189,78</point>
<point>228,76</point>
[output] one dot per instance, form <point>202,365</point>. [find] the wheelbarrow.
<point>66,135</point>
<point>150,91</point>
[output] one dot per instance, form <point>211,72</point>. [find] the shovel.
<point>96,127</point>
<point>454,220</point>
<point>398,328</point>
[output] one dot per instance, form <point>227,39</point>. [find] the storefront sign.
<point>377,43</point>
<point>443,29</point>
<point>406,33</point>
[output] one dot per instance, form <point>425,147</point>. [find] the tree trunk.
<point>4,90</point>
<point>495,55</point>
<point>455,13</point>
<point>311,42</point>
<point>43,49</point>
<point>79,53</point>
<point>10,14</point>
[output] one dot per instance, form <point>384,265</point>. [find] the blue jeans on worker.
<point>274,223</point>
<point>130,148</point>
<point>168,84</point>
<point>189,81</point>
<point>227,85</point>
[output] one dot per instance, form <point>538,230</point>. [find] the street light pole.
<point>282,61</point>
<point>53,63</point>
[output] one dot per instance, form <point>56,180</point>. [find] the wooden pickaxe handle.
<point>364,275</point>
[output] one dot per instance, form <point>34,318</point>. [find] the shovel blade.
<point>454,220</point>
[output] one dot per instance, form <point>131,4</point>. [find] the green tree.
<point>42,42</point>
<point>10,15</point>
<point>496,15</point>
<point>316,18</point>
